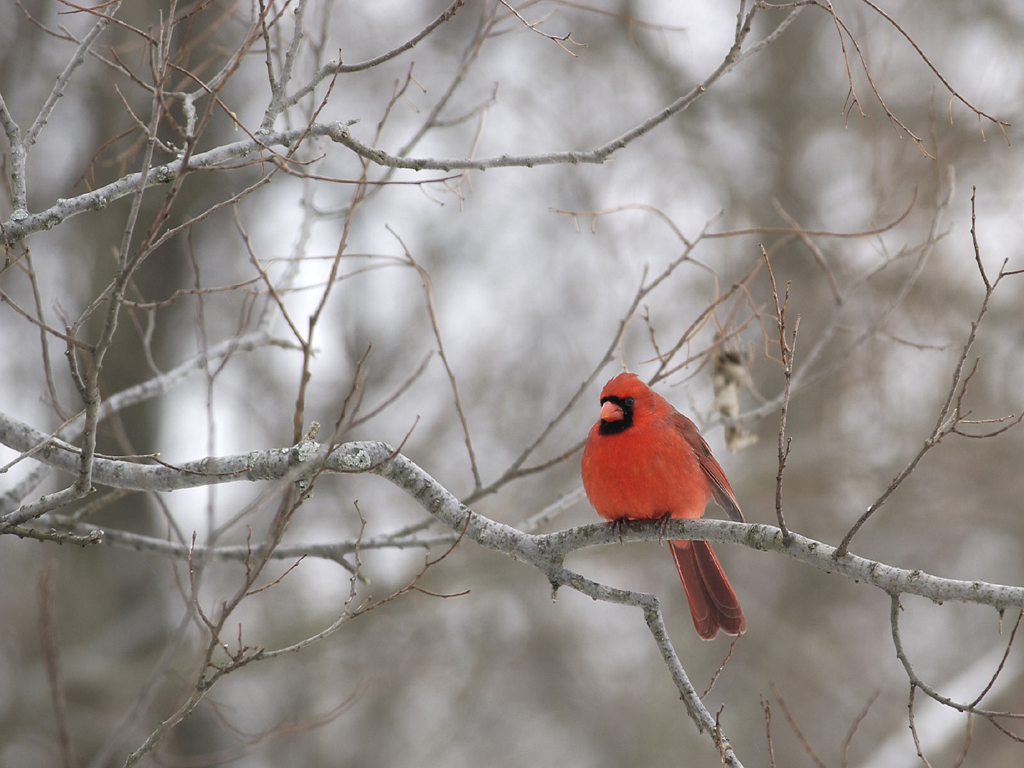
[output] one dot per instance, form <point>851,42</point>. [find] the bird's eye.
<point>629,402</point>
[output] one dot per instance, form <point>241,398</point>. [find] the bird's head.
<point>622,398</point>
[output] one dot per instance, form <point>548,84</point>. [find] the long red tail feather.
<point>713,604</point>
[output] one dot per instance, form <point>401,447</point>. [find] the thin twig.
<point>428,295</point>
<point>917,682</point>
<point>51,660</point>
<point>945,423</point>
<point>534,27</point>
<point>796,729</point>
<point>768,731</point>
<point>1002,662</point>
<point>913,727</point>
<point>714,677</point>
<point>855,725</point>
<point>787,349</point>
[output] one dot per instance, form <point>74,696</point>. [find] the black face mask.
<point>615,427</point>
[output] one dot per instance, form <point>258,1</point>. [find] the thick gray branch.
<point>598,155</point>
<point>546,551</point>
<point>24,224</point>
<point>769,538</point>
<point>258,465</point>
<point>302,460</point>
<point>17,229</point>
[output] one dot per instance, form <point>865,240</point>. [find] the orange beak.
<point>611,412</point>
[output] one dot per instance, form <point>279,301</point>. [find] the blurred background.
<point>528,299</point>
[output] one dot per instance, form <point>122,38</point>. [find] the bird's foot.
<point>661,524</point>
<point>617,525</point>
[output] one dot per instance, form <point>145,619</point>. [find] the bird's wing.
<point>720,488</point>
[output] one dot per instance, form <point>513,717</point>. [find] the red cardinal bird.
<point>644,461</point>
